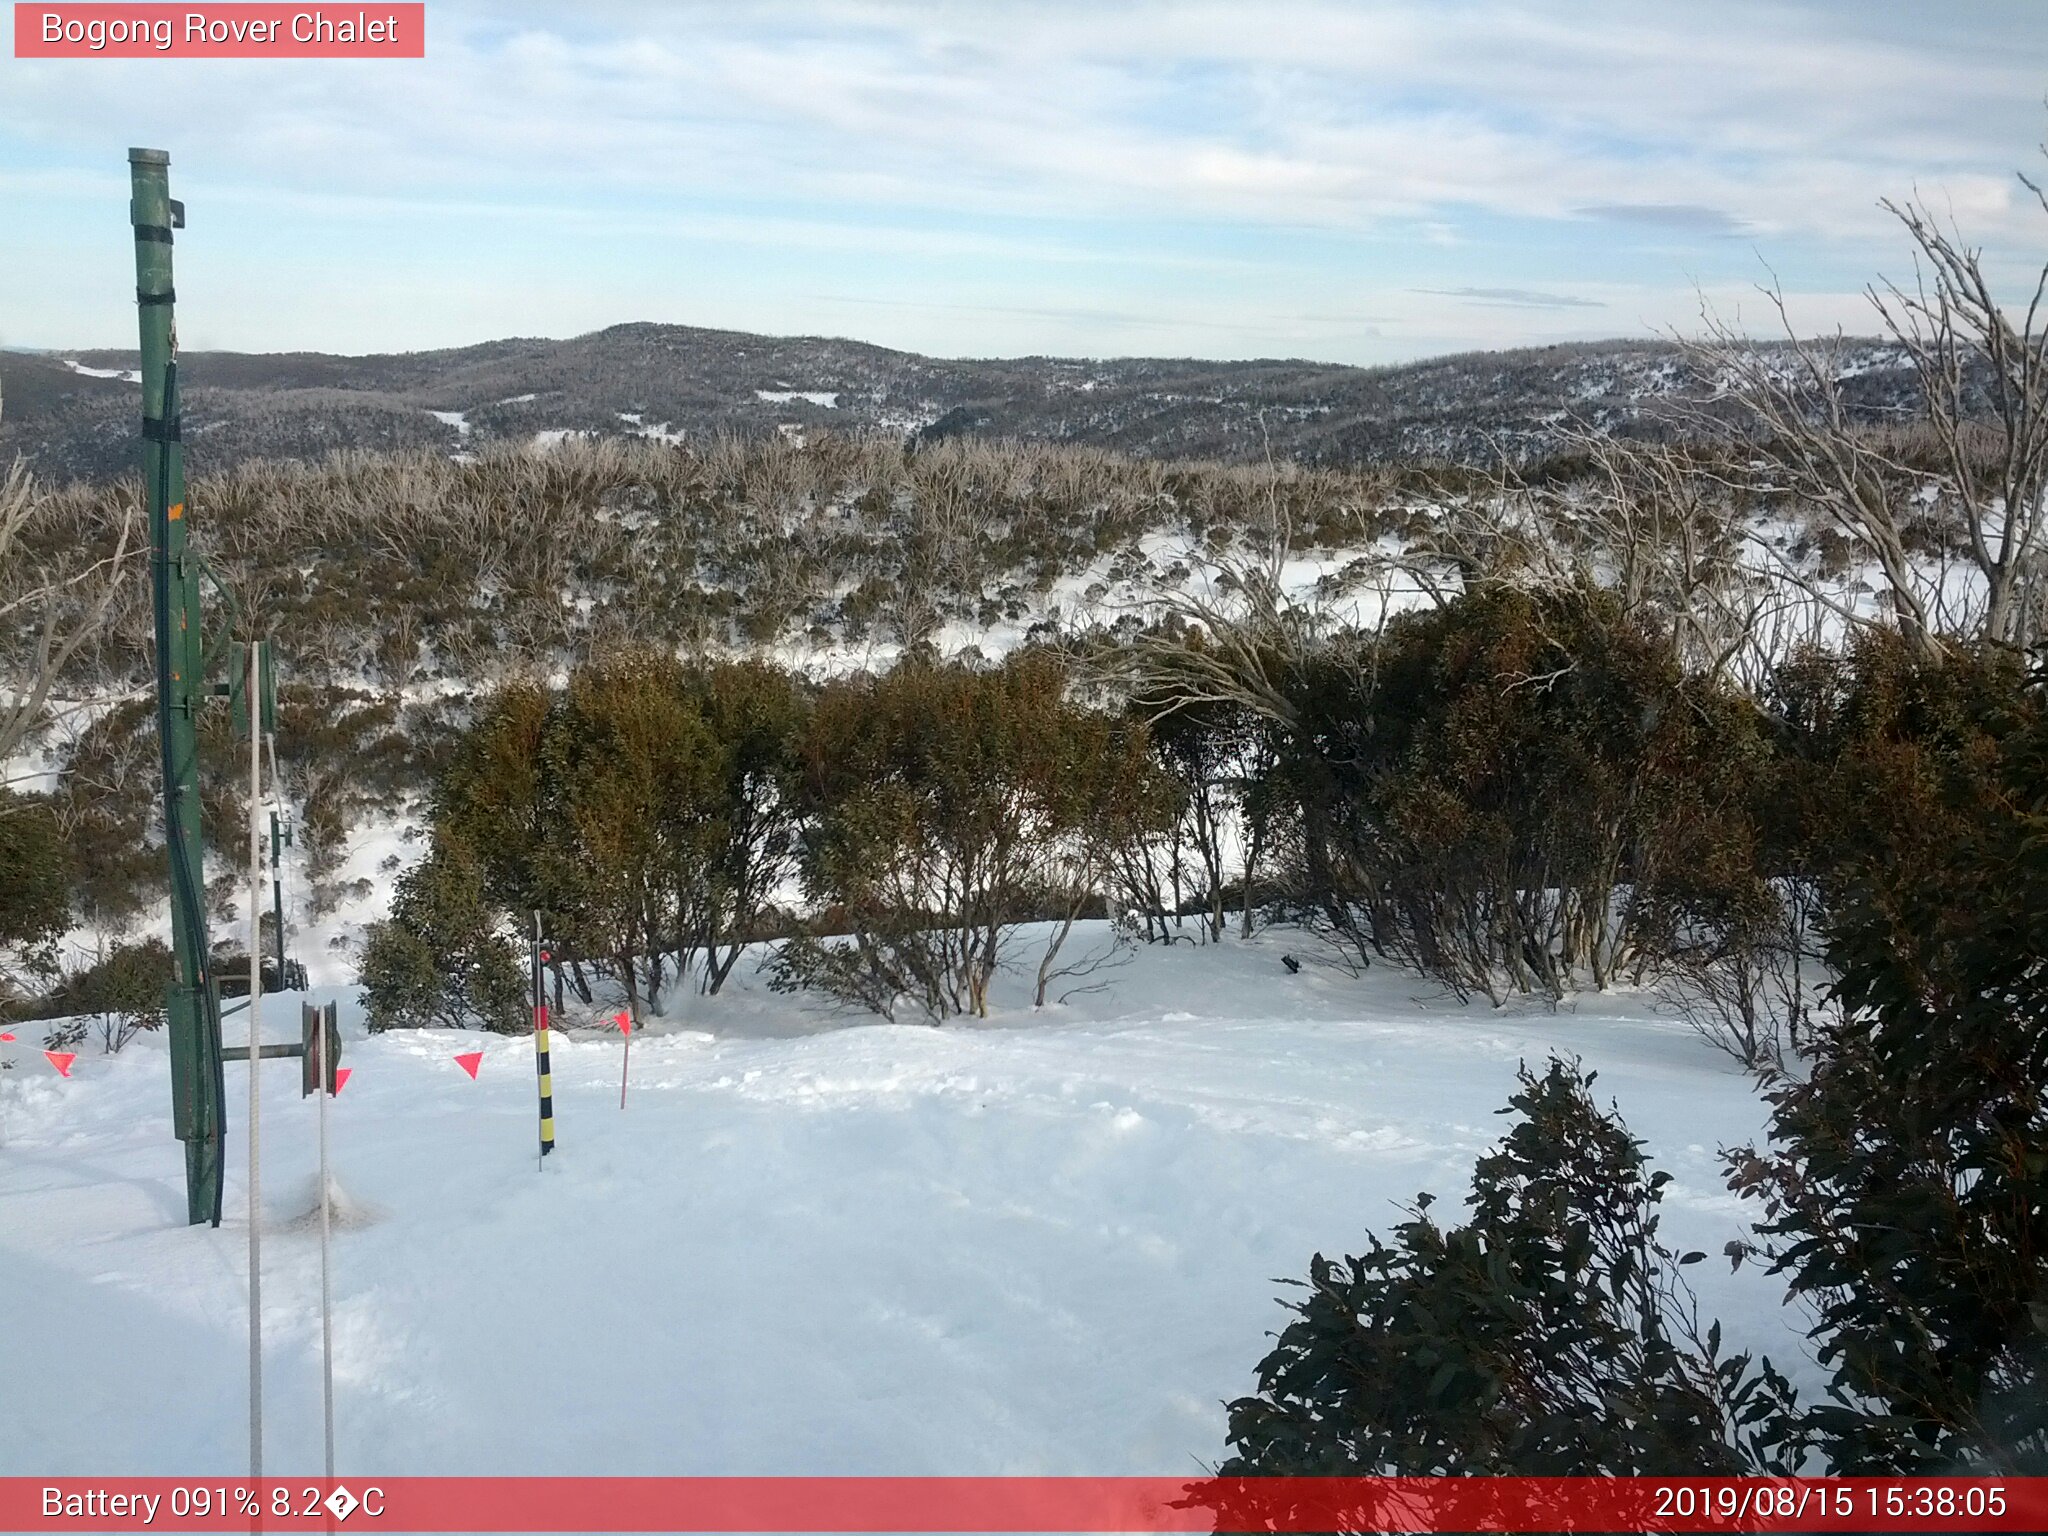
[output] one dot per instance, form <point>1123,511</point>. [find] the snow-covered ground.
<point>126,375</point>
<point>810,1244</point>
<point>660,431</point>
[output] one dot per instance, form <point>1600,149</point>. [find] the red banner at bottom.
<point>1016,1504</point>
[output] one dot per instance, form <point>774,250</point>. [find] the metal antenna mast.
<point>198,1093</point>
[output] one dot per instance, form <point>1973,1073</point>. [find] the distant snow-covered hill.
<point>73,415</point>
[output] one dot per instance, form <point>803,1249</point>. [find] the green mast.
<point>192,1004</point>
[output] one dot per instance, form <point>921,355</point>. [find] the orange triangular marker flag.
<point>62,1060</point>
<point>341,1077</point>
<point>469,1062</point>
<point>624,1021</point>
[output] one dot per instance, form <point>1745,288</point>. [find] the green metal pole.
<point>277,895</point>
<point>192,1004</point>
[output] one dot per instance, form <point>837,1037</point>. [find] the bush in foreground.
<point>1550,1335</point>
<point>1905,1182</point>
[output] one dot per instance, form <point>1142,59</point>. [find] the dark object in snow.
<point>1293,965</point>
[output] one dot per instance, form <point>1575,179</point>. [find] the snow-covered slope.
<point>1045,1244</point>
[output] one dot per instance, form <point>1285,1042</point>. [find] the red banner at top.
<point>102,31</point>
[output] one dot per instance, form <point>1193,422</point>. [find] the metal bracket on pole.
<point>320,1042</point>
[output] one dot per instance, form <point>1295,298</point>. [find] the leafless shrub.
<point>1756,989</point>
<point>55,597</point>
<point>1976,453</point>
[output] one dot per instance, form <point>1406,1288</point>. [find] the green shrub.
<point>120,995</point>
<point>1515,790</point>
<point>438,960</point>
<point>1550,1335</point>
<point>1905,1183</point>
<point>944,807</point>
<point>35,893</point>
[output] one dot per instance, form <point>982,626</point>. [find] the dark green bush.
<point>35,890</point>
<point>1905,1183</point>
<point>120,996</point>
<point>1550,1335</point>
<point>647,810</point>
<point>439,959</point>
<point>942,808</point>
<point>1515,790</point>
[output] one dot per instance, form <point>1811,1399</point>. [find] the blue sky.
<point>1357,182</point>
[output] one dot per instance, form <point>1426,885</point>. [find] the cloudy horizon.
<point>1352,184</point>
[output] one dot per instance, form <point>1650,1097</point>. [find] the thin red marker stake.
<point>625,1023</point>
<point>62,1060</point>
<point>469,1062</point>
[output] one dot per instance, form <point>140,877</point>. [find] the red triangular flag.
<point>62,1060</point>
<point>624,1021</point>
<point>341,1077</point>
<point>469,1062</point>
<point>8,1038</point>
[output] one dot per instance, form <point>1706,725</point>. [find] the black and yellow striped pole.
<point>540,1046</point>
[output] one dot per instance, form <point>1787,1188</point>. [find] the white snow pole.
<point>326,1294</point>
<point>255,696</point>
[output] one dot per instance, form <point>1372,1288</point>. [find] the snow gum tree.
<point>755,713</point>
<point>632,769</point>
<point>944,807</point>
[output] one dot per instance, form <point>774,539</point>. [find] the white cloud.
<point>1063,138</point>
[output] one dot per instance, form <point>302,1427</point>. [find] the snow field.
<point>1041,1244</point>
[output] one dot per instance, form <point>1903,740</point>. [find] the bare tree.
<point>1982,371</point>
<point>1974,362</point>
<point>1821,459</point>
<point>47,612</point>
<point>1652,523</point>
<point>950,517</point>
